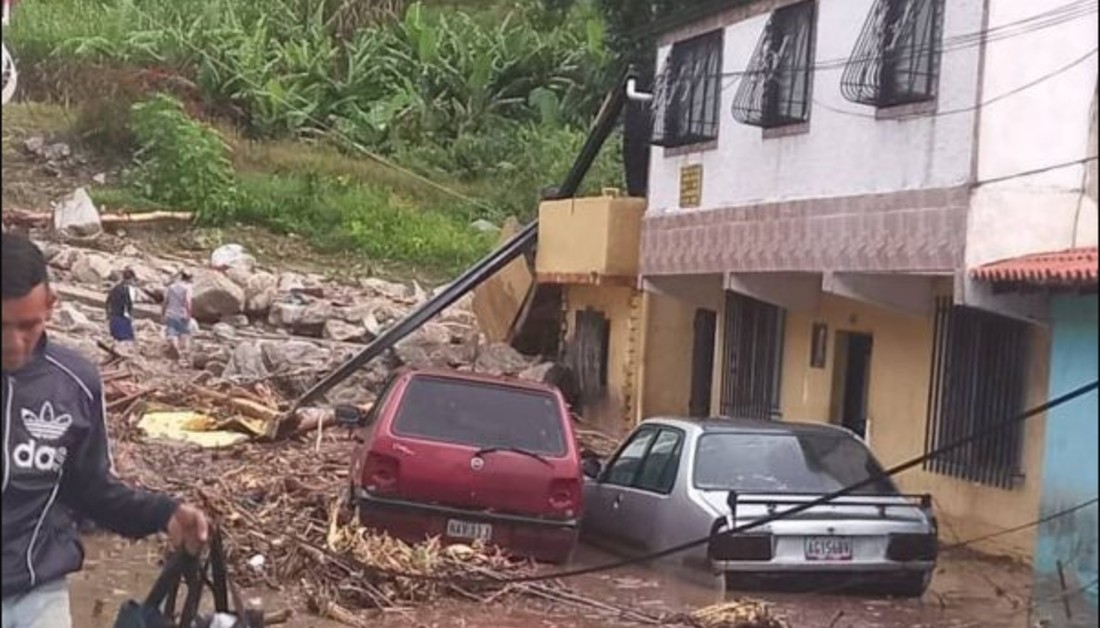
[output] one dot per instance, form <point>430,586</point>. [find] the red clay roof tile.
<point>1072,268</point>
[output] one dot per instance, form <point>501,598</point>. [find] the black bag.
<point>158,610</point>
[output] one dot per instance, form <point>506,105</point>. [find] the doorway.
<point>851,381</point>
<point>702,363</point>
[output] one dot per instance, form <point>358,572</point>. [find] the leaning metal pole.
<point>487,266</point>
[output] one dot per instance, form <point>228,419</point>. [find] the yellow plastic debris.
<point>189,427</point>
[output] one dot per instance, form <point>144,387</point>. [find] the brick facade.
<point>912,231</point>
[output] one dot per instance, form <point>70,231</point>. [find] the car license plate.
<point>834,548</point>
<point>468,530</point>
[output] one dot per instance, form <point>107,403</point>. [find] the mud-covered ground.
<point>969,591</point>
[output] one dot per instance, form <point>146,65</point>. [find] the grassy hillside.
<point>374,125</point>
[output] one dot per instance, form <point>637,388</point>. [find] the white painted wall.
<point>1044,125</point>
<point>841,154</point>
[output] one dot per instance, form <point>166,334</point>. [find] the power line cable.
<point>995,99</point>
<point>773,517</point>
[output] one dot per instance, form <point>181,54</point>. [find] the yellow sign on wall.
<point>691,185</point>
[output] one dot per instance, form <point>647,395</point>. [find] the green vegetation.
<point>306,105</point>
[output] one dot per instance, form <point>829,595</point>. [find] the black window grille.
<point>977,383</point>
<point>753,358</point>
<point>896,60</point>
<point>776,88</point>
<point>592,343</point>
<point>689,93</point>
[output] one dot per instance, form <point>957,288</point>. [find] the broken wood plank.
<point>244,406</point>
<point>23,218</point>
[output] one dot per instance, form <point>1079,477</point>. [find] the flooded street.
<point>968,592</point>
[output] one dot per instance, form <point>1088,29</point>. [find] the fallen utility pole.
<point>487,266</point>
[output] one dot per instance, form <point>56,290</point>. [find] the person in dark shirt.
<point>56,459</point>
<point>120,308</point>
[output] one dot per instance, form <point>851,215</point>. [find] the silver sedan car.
<point>673,481</point>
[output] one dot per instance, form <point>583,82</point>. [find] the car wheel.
<point>913,585</point>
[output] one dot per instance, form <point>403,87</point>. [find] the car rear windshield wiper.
<point>515,450</point>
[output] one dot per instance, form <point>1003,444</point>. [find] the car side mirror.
<point>592,468</point>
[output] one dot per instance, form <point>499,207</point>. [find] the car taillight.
<point>380,474</point>
<point>905,548</point>
<point>565,496</point>
<point>741,547</point>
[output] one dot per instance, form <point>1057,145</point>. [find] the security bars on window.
<point>689,93</point>
<point>896,60</point>
<point>776,88</point>
<point>978,377</point>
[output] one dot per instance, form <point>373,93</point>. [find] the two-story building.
<point>824,175</point>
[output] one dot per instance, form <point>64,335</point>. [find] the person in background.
<point>57,463</point>
<point>177,314</point>
<point>120,308</point>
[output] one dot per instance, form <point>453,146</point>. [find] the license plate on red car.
<point>828,548</point>
<point>469,530</point>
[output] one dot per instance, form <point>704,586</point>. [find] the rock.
<point>230,256</point>
<point>58,151</point>
<point>283,314</point>
<point>433,333</point>
<point>501,359</point>
<point>260,292</point>
<point>100,178</point>
<point>237,320</point>
<point>484,226</point>
<point>317,314</point>
<point>77,215</point>
<point>247,362</point>
<point>34,145</point>
<point>65,258</point>
<point>214,296</point>
<point>289,282</point>
<point>383,288</point>
<point>68,316</point>
<point>293,355</point>
<point>336,329</point>
<point>49,250</point>
<point>224,332</point>
<point>238,275</point>
<point>92,268</point>
<point>536,373</point>
<point>374,328</point>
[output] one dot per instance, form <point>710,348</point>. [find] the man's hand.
<point>188,528</point>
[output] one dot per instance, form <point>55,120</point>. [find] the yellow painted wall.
<point>665,374</point>
<point>622,307</point>
<point>897,409</point>
<point>590,235</point>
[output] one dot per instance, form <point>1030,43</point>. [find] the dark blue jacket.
<point>57,465</point>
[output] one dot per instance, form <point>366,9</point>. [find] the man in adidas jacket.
<point>56,463</point>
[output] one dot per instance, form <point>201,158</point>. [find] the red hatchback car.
<point>471,458</point>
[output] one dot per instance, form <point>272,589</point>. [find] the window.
<point>753,358</point>
<point>658,472</point>
<point>786,462</point>
<point>896,60</point>
<point>481,415</point>
<point>775,90</point>
<point>621,472</point>
<point>977,382</point>
<point>591,353</point>
<point>689,93</point>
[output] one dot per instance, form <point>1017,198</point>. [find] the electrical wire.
<point>771,518</point>
<point>985,103</point>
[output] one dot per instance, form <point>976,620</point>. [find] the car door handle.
<point>617,502</point>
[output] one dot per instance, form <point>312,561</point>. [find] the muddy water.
<point>968,592</point>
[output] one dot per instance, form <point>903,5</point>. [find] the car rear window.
<point>481,415</point>
<point>785,463</point>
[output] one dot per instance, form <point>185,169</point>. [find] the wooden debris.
<point>24,218</point>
